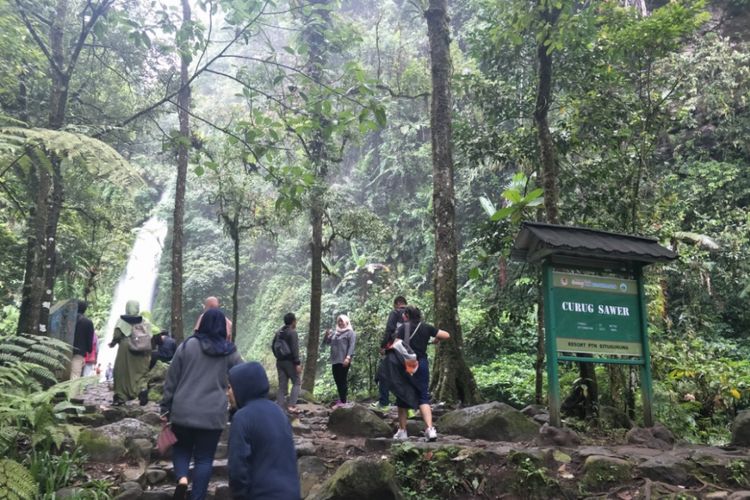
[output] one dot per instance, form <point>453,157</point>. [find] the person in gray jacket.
<point>288,367</point>
<point>195,401</point>
<point>342,341</point>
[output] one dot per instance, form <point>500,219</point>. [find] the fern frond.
<point>16,480</point>
<point>43,374</point>
<point>98,158</point>
<point>42,359</point>
<point>13,349</point>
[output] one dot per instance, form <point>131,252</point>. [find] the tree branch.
<point>40,43</point>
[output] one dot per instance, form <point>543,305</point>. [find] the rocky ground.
<point>486,451</point>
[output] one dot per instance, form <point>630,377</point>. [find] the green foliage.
<point>55,471</point>
<point>510,379</point>
<point>532,479</point>
<point>16,482</point>
<point>433,474</point>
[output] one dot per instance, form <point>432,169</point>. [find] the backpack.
<point>404,352</point>
<point>139,339</point>
<point>280,347</point>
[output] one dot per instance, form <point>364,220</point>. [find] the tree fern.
<point>16,482</point>
<point>37,145</point>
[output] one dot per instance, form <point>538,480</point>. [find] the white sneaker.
<point>401,435</point>
<point>430,434</point>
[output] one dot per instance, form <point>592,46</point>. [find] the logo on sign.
<point>623,287</point>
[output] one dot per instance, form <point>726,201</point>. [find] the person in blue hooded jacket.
<point>262,458</point>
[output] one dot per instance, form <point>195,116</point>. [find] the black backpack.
<point>280,347</point>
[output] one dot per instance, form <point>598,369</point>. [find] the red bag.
<point>166,439</point>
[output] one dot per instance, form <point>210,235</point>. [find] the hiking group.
<point>207,376</point>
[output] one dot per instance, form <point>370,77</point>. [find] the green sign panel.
<point>596,315</point>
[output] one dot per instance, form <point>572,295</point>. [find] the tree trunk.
<point>316,292</point>
<point>183,107</point>
<point>236,288</point>
<point>548,160</point>
<point>314,35</point>
<point>452,381</point>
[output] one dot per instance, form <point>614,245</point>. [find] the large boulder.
<point>357,421</point>
<point>361,478</point>
<point>601,472</point>
<point>312,474</point>
<point>110,443</point>
<point>491,421</point>
<point>657,437</point>
<point>666,469</point>
<point>741,429</point>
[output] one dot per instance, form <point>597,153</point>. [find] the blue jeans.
<point>200,445</point>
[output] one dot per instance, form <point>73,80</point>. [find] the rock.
<point>612,418</point>
<point>129,437</point>
<point>114,413</point>
<point>222,451</point>
<point>661,432</point>
<point>644,436</point>
<point>739,495</point>
<point>132,474</point>
<point>158,374</point>
<point>150,418</point>
<point>377,444</point>
<point>312,472</point>
<point>717,495</point>
<point>158,495</point>
<point>741,429</point>
<point>363,479</point>
<point>554,436</point>
<point>140,448</point>
<point>101,448</point>
<point>305,447</point>
<point>66,493</point>
<point>300,428</point>
<point>415,427</point>
<point>223,492</point>
<point>357,421</point>
<point>492,421</point>
<point>533,410</point>
<point>155,476</point>
<point>667,469</point>
<point>600,472</point>
<point>130,490</point>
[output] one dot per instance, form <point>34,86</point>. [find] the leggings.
<point>339,376</point>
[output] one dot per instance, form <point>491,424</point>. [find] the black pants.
<point>340,373</point>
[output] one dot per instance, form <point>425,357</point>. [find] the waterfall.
<point>137,282</point>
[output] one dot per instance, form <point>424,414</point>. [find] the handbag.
<point>166,438</point>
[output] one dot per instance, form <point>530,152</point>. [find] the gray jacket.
<point>195,391</point>
<point>342,345</point>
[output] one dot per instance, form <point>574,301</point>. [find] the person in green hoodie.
<point>131,368</point>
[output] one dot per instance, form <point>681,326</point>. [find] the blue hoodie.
<point>262,458</point>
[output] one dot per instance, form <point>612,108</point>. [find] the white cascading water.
<point>136,283</point>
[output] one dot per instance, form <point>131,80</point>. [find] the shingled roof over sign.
<point>538,241</point>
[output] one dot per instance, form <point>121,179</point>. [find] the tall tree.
<point>314,36</point>
<point>183,110</point>
<point>453,380</point>
<point>46,178</point>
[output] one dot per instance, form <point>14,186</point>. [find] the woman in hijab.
<point>342,341</point>
<point>195,400</point>
<point>131,368</point>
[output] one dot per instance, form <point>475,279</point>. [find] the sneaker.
<point>430,434</point>
<point>379,408</point>
<point>340,404</point>
<point>401,435</point>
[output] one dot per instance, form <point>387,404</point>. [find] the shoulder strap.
<point>408,336</point>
